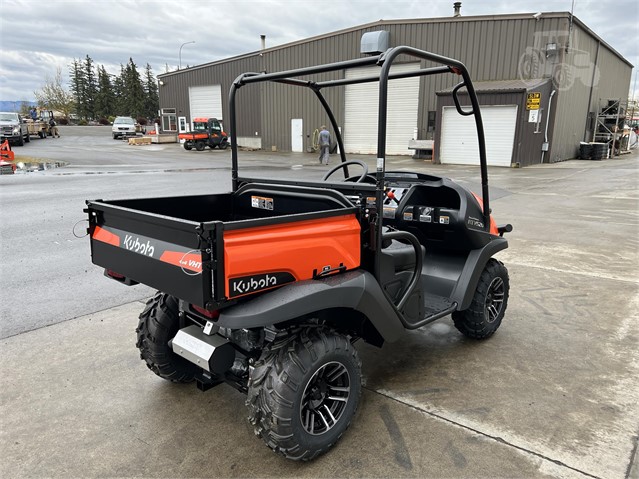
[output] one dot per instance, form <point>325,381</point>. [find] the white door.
<point>361,111</point>
<point>297,135</point>
<point>205,101</point>
<point>182,124</point>
<point>459,144</point>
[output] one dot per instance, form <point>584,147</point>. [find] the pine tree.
<point>105,97</point>
<point>133,90</point>
<point>77,86</point>
<point>119,106</point>
<point>151,100</point>
<point>90,90</point>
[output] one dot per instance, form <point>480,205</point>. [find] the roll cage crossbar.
<point>384,60</point>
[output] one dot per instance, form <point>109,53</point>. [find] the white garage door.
<point>360,123</point>
<point>459,136</point>
<point>205,101</point>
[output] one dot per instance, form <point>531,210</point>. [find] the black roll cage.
<point>385,60</point>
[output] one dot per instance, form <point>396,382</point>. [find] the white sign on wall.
<point>533,116</point>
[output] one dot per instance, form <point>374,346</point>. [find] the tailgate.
<point>170,254</point>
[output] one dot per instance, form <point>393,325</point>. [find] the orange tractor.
<point>206,132</point>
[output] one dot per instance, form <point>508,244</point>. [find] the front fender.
<point>475,263</point>
<point>358,290</point>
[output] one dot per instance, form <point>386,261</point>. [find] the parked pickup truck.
<point>14,128</point>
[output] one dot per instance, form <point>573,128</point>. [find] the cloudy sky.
<point>37,36</point>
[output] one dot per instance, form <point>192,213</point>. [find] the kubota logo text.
<point>251,284</point>
<point>134,244</point>
<point>247,286</point>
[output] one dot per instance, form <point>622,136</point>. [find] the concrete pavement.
<point>553,394</point>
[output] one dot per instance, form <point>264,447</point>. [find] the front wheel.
<point>187,146</point>
<point>488,306</point>
<point>303,393</point>
<point>199,146</point>
<point>27,138</point>
<point>159,323</point>
<point>224,145</point>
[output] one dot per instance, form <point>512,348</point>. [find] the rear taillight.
<point>114,275</point>
<point>205,312</point>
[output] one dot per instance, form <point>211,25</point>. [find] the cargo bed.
<point>212,249</point>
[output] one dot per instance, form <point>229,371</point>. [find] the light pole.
<point>180,54</point>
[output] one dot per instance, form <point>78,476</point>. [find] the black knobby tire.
<point>27,139</point>
<point>489,303</point>
<point>187,146</point>
<point>199,146</point>
<point>224,145</point>
<point>20,141</point>
<point>158,324</point>
<point>303,393</point>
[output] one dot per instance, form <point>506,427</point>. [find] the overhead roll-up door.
<point>361,111</point>
<point>459,144</point>
<point>205,101</point>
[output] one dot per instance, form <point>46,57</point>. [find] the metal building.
<point>541,80</point>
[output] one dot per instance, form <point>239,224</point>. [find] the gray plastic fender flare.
<point>358,290</point>
<point>475,264</point>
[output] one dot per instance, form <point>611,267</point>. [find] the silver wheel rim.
<point>494,299</point>
<point>325,398</point>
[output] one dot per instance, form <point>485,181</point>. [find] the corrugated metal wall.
<point>175,91</point>
<point>492,47</point>
<point>592,72</point>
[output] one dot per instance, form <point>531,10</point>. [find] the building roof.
<point>501,86</point>
<point>416,21</point>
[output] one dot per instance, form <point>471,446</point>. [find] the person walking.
<point>324,141</point>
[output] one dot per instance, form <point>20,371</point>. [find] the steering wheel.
<point>346,163</point>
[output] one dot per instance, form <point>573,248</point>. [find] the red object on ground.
<point>5,152</point>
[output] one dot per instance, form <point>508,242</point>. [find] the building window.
<point>169,122</point>
<point>431,121</point>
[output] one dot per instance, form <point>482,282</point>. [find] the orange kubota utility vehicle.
<point>268,286</point>
<point>206,132</point>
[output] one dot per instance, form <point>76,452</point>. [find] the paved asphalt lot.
<point>553,394</point>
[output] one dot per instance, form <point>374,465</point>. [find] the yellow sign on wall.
<point>533,101</point>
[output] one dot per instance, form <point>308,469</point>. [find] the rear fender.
<point>357,290</point>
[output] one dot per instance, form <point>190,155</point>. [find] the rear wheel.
<point>303,393</point>
<point>199,146</point>
<point>488,306</point>
<point>187,146</point>
<point>159,323</point>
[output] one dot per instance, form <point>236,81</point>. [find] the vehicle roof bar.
<point>392,76</point>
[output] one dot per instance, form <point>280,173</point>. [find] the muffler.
<point>213,353</point>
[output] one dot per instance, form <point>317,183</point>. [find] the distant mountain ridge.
<point>9,105</point>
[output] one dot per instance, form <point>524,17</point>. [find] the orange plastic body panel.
<point>299,248</point>
<point>493,225</point>
<point>194,136</point>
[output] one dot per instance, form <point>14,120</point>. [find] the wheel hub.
<point>325,398</point>
<point>494,299</point>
